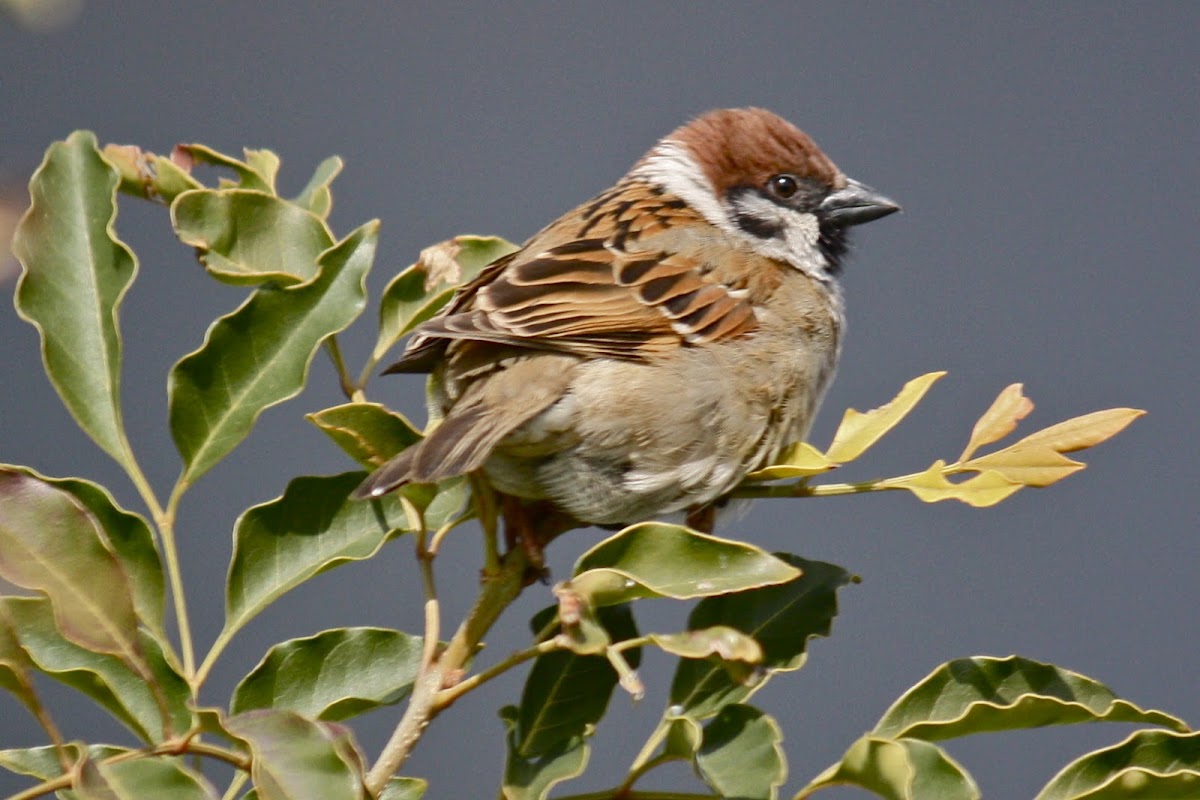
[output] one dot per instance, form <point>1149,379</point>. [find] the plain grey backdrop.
<point>1046,159</point>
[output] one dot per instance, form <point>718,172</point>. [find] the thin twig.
<point>497,592</point>
<point>448,696</point>
<point>172,748</point>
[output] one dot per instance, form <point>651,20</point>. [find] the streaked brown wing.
<point>585,298</point>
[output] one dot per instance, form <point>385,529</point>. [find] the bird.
<point>644,352</point>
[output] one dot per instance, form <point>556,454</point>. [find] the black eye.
<point>783,186</point>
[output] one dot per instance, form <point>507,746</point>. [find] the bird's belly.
<point>634,441</point>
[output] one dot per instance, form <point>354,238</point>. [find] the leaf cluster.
<point>98,578</point>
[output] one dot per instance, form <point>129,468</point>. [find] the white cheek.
<point>798,240</point>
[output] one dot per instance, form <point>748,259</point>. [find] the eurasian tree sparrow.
<point>645,351</point>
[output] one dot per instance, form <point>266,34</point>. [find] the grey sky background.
<point>1046,159</point>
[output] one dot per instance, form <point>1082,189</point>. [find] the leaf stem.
<point>235,786</point>
<point>364,376</point>
<point>425,557</point>
<point>218,646</point>
<point>165,521</point>
<point>803,489</point>
<point>349,387</point>
<point>496,593</point>
<point>42,715</point>
<point>447,697</point>
<point>645,760</point>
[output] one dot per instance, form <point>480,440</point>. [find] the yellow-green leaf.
<point>799,460</point>
<point>316,196</point>
<point>368,432</point>
<point>655,559</point>
<point>898,769</point>
<point>138,779</point>
<point>984,694</point>
<point>1031,465</point>
<point>859,431</point>
<point>722,641</point>
<point>256,172</point>
<point>1010,407</point>
<point>1149,765</point>
<point>931,486</point>
<point>404,788</point>
<point>1083,432</point>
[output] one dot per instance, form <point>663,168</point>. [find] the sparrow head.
<point>756,176</point>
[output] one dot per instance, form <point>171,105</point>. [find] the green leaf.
<point>247,238</point>
<point>983,694</point>
<point>15,666</point>
<point>139,779</point>
<point>420,291</point>
<point>316,196</point>
<point>51,543</point>
<point>684,737</point>
<point>655,559</point>
<point>259,355</point>
<point>333,675</point>
<point>42,762</point>
<point>566,694</point>
<point>401,788</point>
<point>293,758</point>
<point>1151,765</point>
<point>532,777</point>
<point>134,700</point>
<point>368,432</point>
<point>741,754</point>
<point>131,541</point>
<point>780,618</point>
<point>76,272</point>
<point>148,175</point>
<point>257,172</point>
<point>313,527</point>
<point>898,769</point>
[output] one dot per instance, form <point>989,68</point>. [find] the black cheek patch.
<point>757,226</point>
<point>754,225</point>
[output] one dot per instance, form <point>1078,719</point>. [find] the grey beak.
<point>855,204</point>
